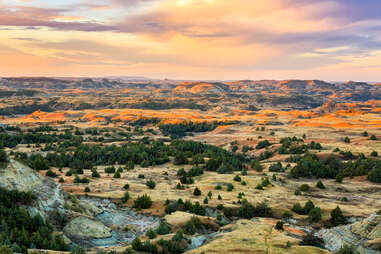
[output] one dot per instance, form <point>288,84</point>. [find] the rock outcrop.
<point>365,235</point>
<point>49,195</point>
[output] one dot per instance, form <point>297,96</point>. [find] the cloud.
<point>25,39</point>
<point>22,16</point>
<point>205,36</point>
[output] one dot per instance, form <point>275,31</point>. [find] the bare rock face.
<point>368,228</point>
<point>22,178</point>
<point>82,228</point>
<point>365,235</point>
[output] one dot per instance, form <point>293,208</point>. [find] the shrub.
<point>314,215</point>
<point>347,140</point>
<point>220,207</point>
<point>95,173</point>
<point>219,197</point>
<point>179,186</point>
<point>346,249</point>
<point>145,164</point>
<point>193,225</point>
<point>265,182</point>
<point>286,215</point>
<point>263,144</point>
<point>110,170</point>
<point>308,206</point>
<point>375,175</point>
<point>151,234</point>
<point>117,174</point>
<point>297,208</point>
<point>237,178</point>
<point>304,187</point>
<point>79,180</point>
<point>61,180</point>
<point>151,184</point>
<point>337,217</point>
<point>256,165</point>
<point>3,156</point>
<point>186,180</point>
<point>230,187</point>
<point>163,229</point>
<point>5,249</point>
<point>228,212</point>
<point>141,176</point>
<point>374,154</point>
<point>279,225</point>
<point>87,189</point>
<point>339,178</point>
<point>130,165</point>
<point>50,173</point>
<point>344,199</point>
<point>126,197</point>
<point>248,211</point>
<point>218,187</point>
<point>276,167</point>
<point>126,186</point>
<point>373,137</point>
<point>180,159</point>
<point>298,192</point>
<point>206,201</point>
<point>137,244</point>
<point>143,202</point>
<point>259,186</point>
<point>178,236</point>
<point>320,185</point>
<point>197,192</point>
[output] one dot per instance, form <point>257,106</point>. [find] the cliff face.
<point>365,235</point>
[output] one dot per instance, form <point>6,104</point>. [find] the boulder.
<point>84,228</point>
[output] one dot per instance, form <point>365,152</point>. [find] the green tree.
<point>143,202</point>
<point>117,174</point>
<point>320,185</point>
<point>126,197</point>
<point>180,159</point>
<point>197,192</point>
<point>315,215</point>
<point>279,225</point>
<point>151,184</point>
<point>375,175</point>
<point>337,217</point>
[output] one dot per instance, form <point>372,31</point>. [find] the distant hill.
<point>202,87</point>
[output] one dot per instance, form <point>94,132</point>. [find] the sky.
<point>334,40</point>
